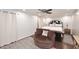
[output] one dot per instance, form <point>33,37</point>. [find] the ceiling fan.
<point>48,11</point>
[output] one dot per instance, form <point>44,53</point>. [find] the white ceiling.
<point>56,13</point>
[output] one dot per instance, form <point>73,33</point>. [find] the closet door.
<point>2,28</point>
<point>7,28</point>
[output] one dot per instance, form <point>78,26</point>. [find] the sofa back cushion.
<point>39,31</point>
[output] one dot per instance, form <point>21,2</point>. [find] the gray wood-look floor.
<point>28,43</point>
<point>68,39</point>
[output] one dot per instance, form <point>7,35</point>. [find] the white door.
<point>7,28</point>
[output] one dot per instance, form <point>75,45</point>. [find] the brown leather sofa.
<point>44,41</point>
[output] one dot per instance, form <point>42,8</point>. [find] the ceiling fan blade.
<point>46,11</point>
<point>49,10</point>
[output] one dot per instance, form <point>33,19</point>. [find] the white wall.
<point>76,24</point>
<point>26,25</point>
<point>67,20</point>
<point>46,21</point>
<point>43,21</point>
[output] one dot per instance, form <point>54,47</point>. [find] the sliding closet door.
<point>2,28</point>
<point>7,28</point>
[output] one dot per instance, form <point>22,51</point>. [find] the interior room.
<point>39,29</point>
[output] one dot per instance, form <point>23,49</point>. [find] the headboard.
<point>56,23</point>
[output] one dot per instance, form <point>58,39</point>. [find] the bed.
<point>56,27</point>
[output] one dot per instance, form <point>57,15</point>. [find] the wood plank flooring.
<point>66,44</point>
<point>28,43</point>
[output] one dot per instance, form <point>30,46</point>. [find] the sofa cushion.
<point>45,33</point>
